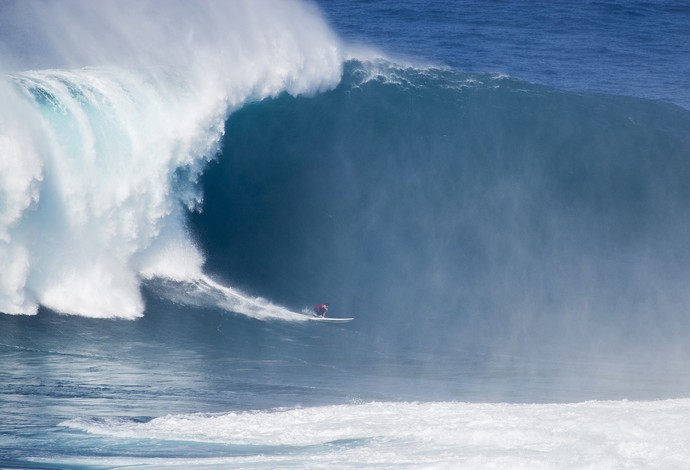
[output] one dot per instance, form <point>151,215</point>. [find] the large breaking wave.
<point>100,152</point>
<point>427,196</point>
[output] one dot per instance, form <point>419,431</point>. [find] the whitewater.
<point>100,162</point>
<point>427,435</point>
<point>181,181</point>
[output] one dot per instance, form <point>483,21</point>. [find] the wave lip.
<point>100,156</point>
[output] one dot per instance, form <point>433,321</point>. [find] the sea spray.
<point>101,152</point>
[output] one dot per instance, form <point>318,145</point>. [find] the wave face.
<point>413,198</point>
<point>102,143</point>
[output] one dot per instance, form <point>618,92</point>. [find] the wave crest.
<point>100,156</point>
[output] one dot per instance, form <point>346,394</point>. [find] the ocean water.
<point>495,191</point>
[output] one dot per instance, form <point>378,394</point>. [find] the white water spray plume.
<point>109,113</point>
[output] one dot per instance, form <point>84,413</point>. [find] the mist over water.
<point>512,214</point>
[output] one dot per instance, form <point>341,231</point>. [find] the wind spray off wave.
<point>100,153</point>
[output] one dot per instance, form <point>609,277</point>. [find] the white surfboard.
<point>331,319</point>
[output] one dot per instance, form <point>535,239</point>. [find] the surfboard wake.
<point>203,291</point>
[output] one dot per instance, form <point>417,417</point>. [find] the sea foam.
<point>596,434</point>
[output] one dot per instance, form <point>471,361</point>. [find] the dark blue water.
<point>636,48</point>
<point>507,221</point>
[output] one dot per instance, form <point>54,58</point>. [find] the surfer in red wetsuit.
<point>320,310</point>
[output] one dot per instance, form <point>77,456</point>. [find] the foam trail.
<point>100,154</point>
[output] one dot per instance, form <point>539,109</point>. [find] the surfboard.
<point>331,319</point>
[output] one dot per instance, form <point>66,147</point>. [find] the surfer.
<point>320,310</point>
